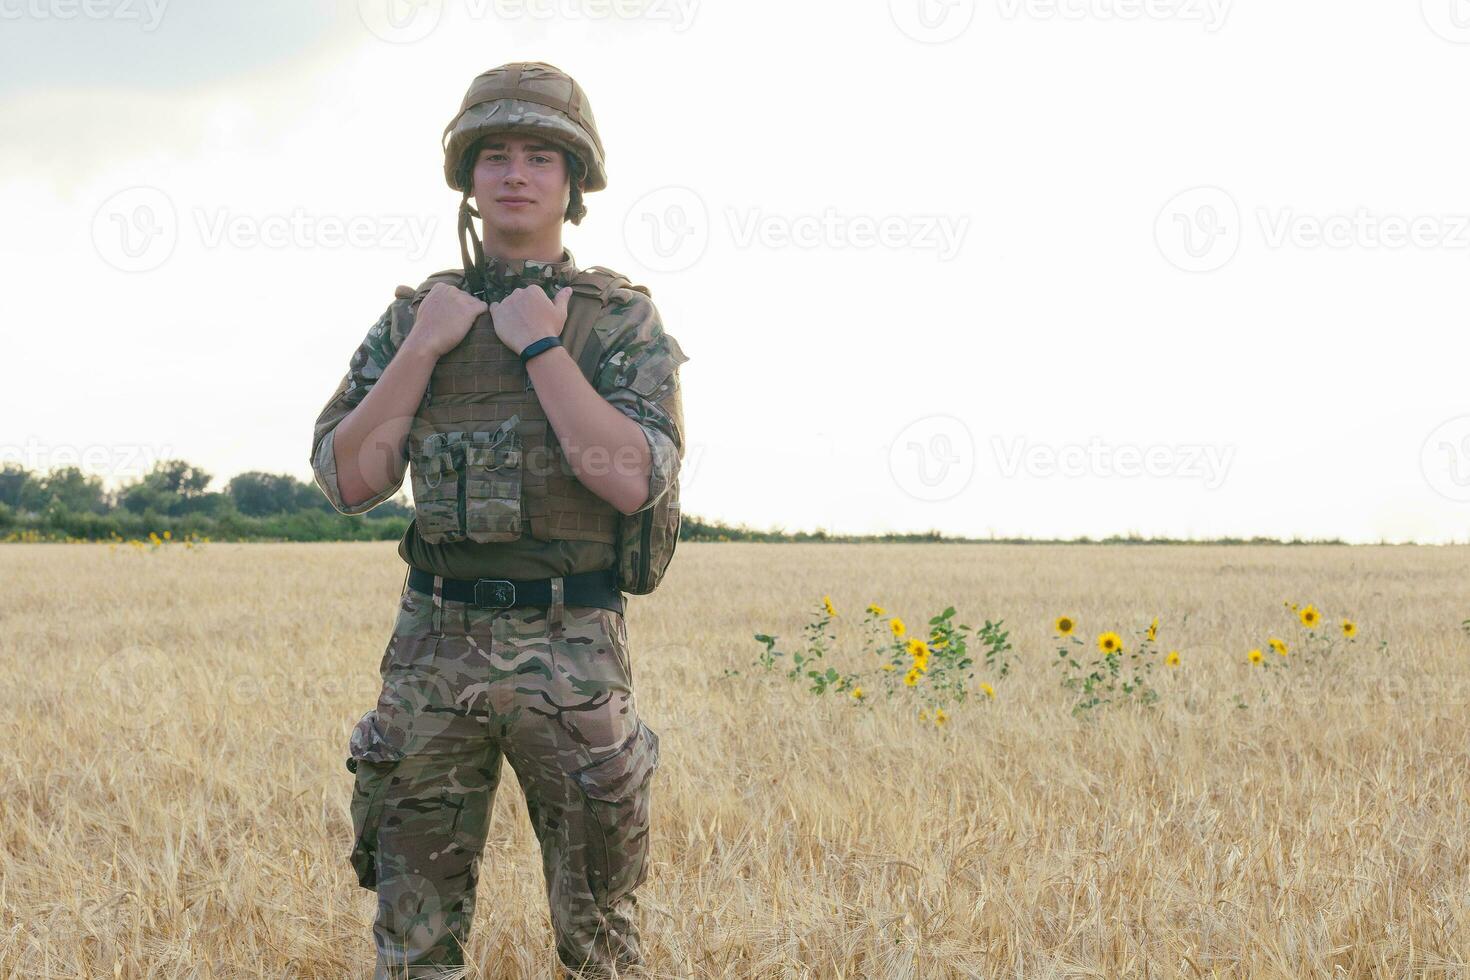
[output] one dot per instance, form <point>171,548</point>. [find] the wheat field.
<point>174,799</point>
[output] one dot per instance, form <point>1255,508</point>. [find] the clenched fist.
<point>445,315</point>
<point>526,315</point>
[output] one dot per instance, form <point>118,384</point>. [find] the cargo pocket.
<point>374,755</point>
<point>493,488</point>
<point>436,481</point>
<point>616,791</point>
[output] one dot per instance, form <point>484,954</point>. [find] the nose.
<point>513,171</point>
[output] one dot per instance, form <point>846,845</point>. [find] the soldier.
<point>537,406</point>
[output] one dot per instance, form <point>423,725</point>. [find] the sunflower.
<point>1110,643</point>
<point>1278,645</point>
<point>939,716</point>
<point>876,610</point>
<point>987,690</point>
<point>1065,625</point>
<point>1255,656</point>
<point>896,625</point>
<point>857,692</point>
<point>918,648</point>
<point>1349,628</point>
<point>1310,617</point>
<point>912,677</point>
<point>1153,629</point>
<point>889,667</point>
<point>827,601</point>
<point>1172,659</point>
<point>923,715</point>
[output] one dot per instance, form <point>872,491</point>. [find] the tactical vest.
<point>486,464</point>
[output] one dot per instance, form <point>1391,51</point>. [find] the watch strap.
<point>537,346</point>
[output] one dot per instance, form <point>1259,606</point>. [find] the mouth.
<point>512,202</point>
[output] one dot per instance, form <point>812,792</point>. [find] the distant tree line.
<point>695,529</point>
<point>174,496</point>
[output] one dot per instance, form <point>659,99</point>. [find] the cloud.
<point>156,45</point>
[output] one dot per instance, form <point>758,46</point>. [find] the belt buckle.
<point>495,593</point>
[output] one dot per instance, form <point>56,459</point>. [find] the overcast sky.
<point>1023,267</point>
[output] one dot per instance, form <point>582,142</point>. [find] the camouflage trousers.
<point>550,689</point>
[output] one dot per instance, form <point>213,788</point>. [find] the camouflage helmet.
<point>530,99</point>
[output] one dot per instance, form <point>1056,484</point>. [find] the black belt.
<point>582,589</point>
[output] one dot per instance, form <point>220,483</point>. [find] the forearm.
<point>368,443</point>
<point>606,449</point>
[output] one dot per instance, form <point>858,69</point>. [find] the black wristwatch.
<point>537,346</point>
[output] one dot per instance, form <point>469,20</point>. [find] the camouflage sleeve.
<point>639,376</point>
<point>363,371</point>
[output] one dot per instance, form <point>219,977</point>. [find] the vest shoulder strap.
<point>592,290</point>
<point>454,277</point>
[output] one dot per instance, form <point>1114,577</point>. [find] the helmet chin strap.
<point>474,271</point>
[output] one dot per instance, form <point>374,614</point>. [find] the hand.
<point>526,315</point>
<point>445,315</point>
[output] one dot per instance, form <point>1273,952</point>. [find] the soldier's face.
<point>521,186</point>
